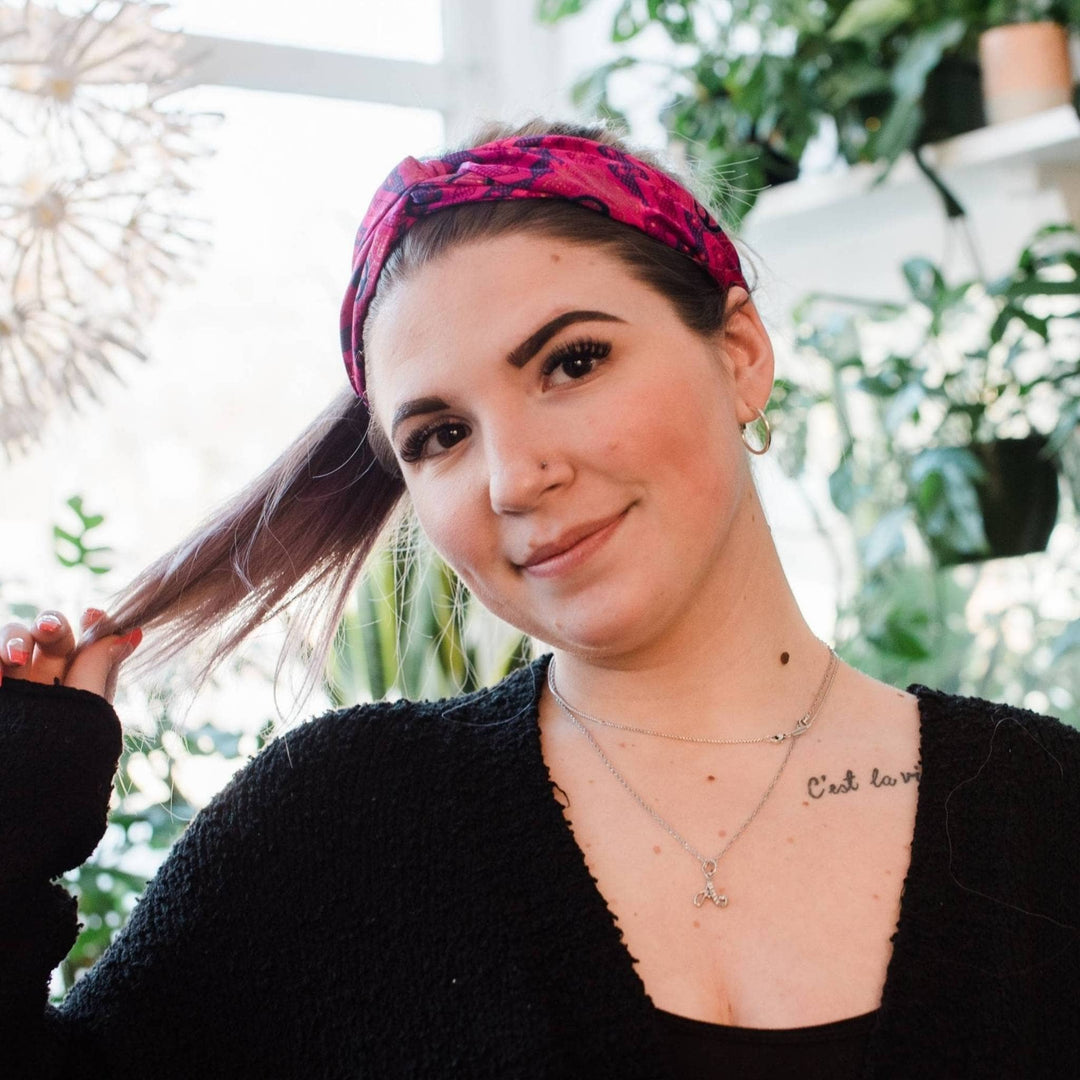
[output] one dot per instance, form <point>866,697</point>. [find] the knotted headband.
<point>599,177</point>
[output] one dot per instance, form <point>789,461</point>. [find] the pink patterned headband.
<point>591,174</point>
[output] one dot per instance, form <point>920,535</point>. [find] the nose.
<point>522,467</point>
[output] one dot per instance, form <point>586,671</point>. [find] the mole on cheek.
<point>785,657</point>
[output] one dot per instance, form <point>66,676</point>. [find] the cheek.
<point>453,527</point>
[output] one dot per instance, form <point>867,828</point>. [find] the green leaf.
<point>842,486</point>
<point>944,480</point>
<point>898,131</point>
<point>81,553</point>
<point>870,19</point>
<point>1038,287</point>
<point>924,51</point>
<point>625,24</point>
<point>550,11</point>
<point>886,540</point>
<point>903,405</point>
<point>925,282</point>
<point>899,637</point>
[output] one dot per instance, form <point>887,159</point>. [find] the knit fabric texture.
<point>392,891</point>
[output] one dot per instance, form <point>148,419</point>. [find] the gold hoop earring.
<point>766,440</point>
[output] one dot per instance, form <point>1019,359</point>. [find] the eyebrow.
<point>517,357</point>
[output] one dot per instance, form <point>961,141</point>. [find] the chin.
<point>600,631</point>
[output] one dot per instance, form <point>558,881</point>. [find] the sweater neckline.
<point>596,907</point>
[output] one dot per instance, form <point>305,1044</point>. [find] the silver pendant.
<point>708,868</point>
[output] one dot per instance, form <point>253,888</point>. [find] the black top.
<point>393,891</point>
<point>833,1051</point>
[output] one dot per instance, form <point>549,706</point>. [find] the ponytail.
<point>296,537</point>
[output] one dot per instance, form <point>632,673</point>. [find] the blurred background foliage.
<point>749,84</point>
<point>414,631</point>
<point>947,426</point>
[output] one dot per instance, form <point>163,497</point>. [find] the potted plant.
<point>1024,54</point>
<point>952,407</point>
<point>746,93</point>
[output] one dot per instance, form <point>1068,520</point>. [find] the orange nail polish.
<point>133,638</point>
<point>17,652</point>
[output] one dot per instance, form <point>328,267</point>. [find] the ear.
<point>747,353</point>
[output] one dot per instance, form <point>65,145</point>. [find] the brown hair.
<point>298,536</point>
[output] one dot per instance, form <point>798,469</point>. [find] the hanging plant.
<point>953,407</point>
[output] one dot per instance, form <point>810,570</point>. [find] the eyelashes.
<point>415,445</point>
<point>577,359</point>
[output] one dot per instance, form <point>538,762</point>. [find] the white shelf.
<point>1050,138</point>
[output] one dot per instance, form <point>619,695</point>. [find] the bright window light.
<point>396,29</point>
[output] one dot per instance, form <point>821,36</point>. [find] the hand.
<point>46,652</point>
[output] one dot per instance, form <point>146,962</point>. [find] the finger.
<point>90,617</point>
<point>96,665</point>
<point>54,642</point>
<point>16,649</point>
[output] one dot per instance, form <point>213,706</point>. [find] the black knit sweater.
<point>392,891</point>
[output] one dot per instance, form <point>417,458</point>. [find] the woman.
<point>690,839</point>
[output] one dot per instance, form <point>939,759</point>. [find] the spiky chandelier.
<point>94,177</point>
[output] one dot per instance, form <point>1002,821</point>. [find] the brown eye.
<point>430,441</point>
<point>449,434</point>
<point>576,359</point>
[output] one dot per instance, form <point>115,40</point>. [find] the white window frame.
<point>498,62</point>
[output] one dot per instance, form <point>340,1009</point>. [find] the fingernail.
<point>48,622</point>
<point>17,651</point>
<point>132,639</point>
<point>92,615</point>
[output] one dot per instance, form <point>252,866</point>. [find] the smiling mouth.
<point>572,546</point>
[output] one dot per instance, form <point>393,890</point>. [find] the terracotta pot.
<point>1025,69</point>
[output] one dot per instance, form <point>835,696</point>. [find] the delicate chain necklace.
<point>802,725</point>
<point>708,865</point>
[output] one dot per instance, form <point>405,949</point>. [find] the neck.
<point>742,665</point>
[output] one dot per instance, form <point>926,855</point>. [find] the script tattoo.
<point>817,787</point>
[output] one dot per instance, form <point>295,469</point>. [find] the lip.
<point>571,547</point>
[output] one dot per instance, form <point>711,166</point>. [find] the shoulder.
<point>954,722</point>
<point>994,758</point>
<point>375,741</point>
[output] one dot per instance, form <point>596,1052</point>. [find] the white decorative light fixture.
<point>94,176</point>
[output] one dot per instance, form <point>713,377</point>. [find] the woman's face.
<point>570,447</point>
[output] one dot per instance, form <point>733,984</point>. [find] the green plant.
<point>951,368</point>
<point>414,631</point>
<point>903,397</point>
<point>750,82</point>
<point>72,548</point>
<point>1003,12</point>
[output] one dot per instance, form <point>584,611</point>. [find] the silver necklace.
<point>708,864</point>
<point>802,725</point>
